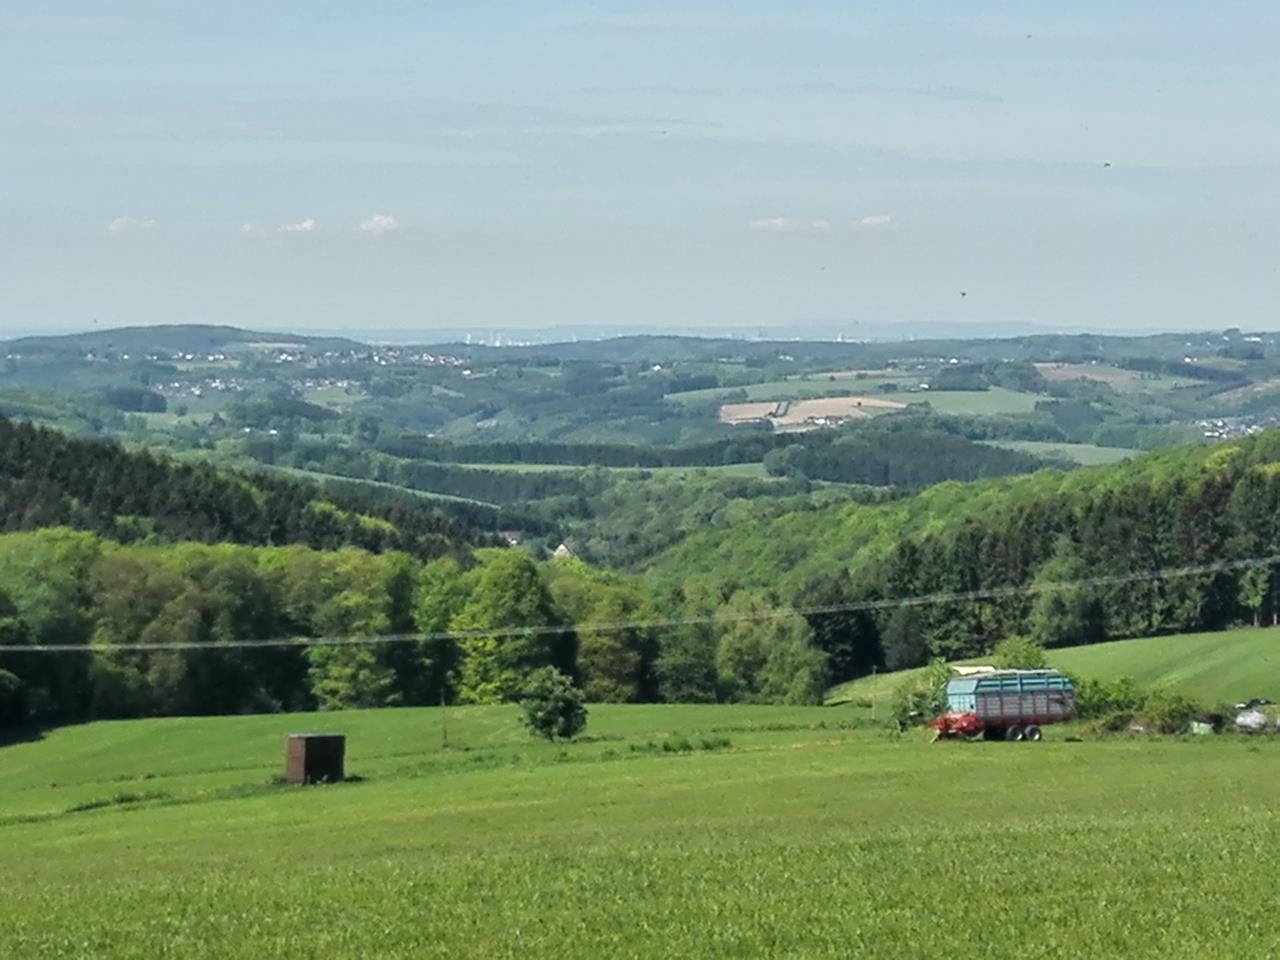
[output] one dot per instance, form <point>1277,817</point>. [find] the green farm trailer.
<point>1005,704</point>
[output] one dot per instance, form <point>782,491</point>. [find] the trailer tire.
<point>1013,733</point>
<point>1033,734</point>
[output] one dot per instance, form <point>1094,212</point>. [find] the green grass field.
<point>1085,454</point>
<point>335,398</point>
<point>806,835</point>
<point>970,402</point>
<point>1227,666</point>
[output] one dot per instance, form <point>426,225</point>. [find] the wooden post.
<point>444,723</point>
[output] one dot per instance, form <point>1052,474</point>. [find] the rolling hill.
<point>195,338</point>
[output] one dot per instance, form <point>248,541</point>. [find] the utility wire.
<point>774,613</point>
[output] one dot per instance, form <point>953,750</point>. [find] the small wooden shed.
<point>314,757</point>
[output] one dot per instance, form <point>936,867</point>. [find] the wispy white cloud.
<point>299,226</point>
<point>377,224</point>
<point>876,220</point>
<point>124,224</point>
<point>251,230</point>
<point>789,225</point>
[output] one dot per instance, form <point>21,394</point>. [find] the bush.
<point>553,706</point>
<point>1169,712</point>
<point>1100,698</point>
<point>1121,704</point>
<point>1019,653</point>
<point>921,696</point>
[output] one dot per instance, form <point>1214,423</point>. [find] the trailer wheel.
<point>1033,734</point>
<point>1013,733</point>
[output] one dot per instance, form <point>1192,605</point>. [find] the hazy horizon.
<point>617,166</point>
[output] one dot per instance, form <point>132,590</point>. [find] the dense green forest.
<point>49,479</point>
<point>475,625</point>
<point>1184,507</point>
<point>897,454</point>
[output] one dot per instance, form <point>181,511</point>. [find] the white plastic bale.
<point>1251,721</point>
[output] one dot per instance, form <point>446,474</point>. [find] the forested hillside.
<point>700,614</point>
<point>1184,507</point>
<point>49,479</point>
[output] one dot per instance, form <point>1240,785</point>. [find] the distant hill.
<point>663,347</point>
<point>192,338</point>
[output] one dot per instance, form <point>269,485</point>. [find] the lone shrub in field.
<point>1019,653</point>
<point>553,705</point>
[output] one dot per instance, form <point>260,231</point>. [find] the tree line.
<point>898,458</point>
<point>474,628</point>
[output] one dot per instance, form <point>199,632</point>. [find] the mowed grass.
<point>1085,454</point>
<point>971,402</point>
<point>806,836</point>
<point>1222,667</point>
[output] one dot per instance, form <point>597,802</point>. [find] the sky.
<point>409,165</point>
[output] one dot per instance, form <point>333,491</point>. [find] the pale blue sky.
<point>663,164</point>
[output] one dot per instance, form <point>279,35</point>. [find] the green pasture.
<point>759,832</point>
<point>1086,454</point>
<point>1222,667</point>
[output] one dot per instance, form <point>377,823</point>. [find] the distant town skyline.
<point>615,166</point>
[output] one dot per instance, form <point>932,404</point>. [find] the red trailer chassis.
<point>958,725</point>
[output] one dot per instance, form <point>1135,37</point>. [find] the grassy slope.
<point>794,842</point>
<point>189,757</point>
<point>971,402</point>
<point>1211,667</point>
<point>1086,454</point>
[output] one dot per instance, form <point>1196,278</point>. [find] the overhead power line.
<point>773,613</point>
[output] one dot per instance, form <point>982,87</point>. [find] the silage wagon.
<point>1005,704</point>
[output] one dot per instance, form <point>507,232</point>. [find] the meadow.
<point>997,400</point>
<point>755,832</point>
<point>1085,454</point>
<point>1213,668</point>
